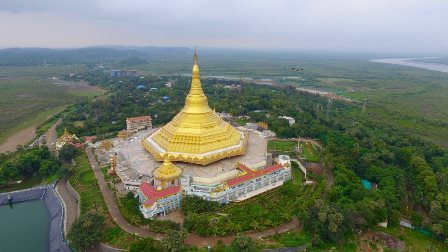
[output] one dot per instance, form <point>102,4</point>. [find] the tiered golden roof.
<point>197,134</point>
<point>167,171</point>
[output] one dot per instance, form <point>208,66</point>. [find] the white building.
<point>138,123</point>
<point>158,201</point>
<point>246,184</point>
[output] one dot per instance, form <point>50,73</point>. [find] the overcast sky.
<point>370,25</point>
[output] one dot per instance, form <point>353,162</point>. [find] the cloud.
<point>317,24</point>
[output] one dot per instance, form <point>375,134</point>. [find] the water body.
<point>409,62</point>
<point>367,184</point>
<point>24,227</point>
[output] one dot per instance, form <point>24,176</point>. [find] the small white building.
<point>138,123</point>
<point>158,201</point>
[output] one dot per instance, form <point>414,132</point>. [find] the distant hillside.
<point>131,61</point>
<point>89,55</point>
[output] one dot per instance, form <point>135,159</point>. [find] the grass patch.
<point>84,182</point>
<point>92,93</point>
<point>281,146</point>
<point>31,121</point>
<point>86,185</point>
<point>414,240</point>
<point>309,152</point>
<point>240,122</point>
<point>28,96</point>
<point>292,239</point>
<point>27,183</point>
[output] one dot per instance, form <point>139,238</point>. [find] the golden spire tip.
<point>195,57</point>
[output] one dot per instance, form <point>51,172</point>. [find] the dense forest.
<point>25,162</point>
<point>412,175</point>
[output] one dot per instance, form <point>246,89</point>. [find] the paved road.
<point>192,239</point>
<point>52,135</point>
<point>70,205</point>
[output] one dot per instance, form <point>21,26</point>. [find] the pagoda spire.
<point>196,101</point>
<point>195,56</point>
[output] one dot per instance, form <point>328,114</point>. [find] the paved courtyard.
<point>136,164</point>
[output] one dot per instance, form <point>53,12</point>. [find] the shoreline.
<point>410,63</point>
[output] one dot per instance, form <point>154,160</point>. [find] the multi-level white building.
<point>246,184</point>
<point>163,195</point>
<point>138,123</point>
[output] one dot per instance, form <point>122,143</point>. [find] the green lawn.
<point>281,146</point>
<point>309,152</point>
<point>27,183</point>
<point>84,182</point>
<point>291,239</point>
<point>415,241</point>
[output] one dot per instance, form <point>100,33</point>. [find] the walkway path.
<point>192,239</point>
<point>109,198</point>
<point>70,205</point>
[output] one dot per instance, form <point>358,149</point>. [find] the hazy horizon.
<point>395,26</point>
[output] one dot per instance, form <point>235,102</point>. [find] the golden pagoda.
<point>65,139</point>
<point>167,171</point>
<point>197,134</point>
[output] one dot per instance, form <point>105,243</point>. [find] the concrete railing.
<point>75,194</point>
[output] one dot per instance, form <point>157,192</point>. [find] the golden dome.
<point>197,134</point>
<point>167,171</point>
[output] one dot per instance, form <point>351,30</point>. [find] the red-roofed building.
<point>156,201</point>
<point>250,174</point>
<point>138,123</point>
<point>243,184</point>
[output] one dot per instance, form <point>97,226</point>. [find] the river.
<point>410,63</point>
<point>24,227</point>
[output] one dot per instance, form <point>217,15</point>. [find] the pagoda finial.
<point>195,56</point>
<point>166,159</point>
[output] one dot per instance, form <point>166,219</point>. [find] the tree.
<point>86,231</point>
<point>416,219</point>
<point>325,221</point>
<point>243,243</point>
<point>174,240</point>
<point>67,152</point>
